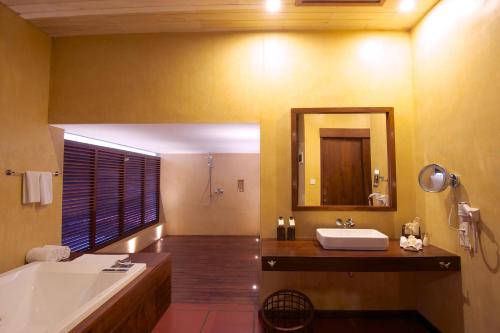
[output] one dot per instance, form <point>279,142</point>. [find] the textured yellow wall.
<point>185,194</point>
<point>243,77</point>
<point>457,84</point>
<point>26,142</point>
<point>312,147</point>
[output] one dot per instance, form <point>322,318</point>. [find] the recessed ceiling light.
<point>273,6</point>
<point>406,6</point>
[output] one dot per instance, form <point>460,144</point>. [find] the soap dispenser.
<point>280,229</point>
<point>290,231</point>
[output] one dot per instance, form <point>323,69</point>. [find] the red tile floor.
<point>209,318</point>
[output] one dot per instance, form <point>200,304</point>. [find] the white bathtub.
<point>52,297</point>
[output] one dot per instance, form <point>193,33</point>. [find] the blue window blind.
<point>108,194</point>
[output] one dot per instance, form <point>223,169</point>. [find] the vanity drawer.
<point>361,264</point>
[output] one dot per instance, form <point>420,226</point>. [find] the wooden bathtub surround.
<point>308,255</point>
<point>139,305</point>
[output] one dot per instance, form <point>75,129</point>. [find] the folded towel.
<point>45,188</point>
<point>63,252</point>
<point>41,254</point>
<point>31,187</point>
<point>403,241</point>
<point>48,253</point>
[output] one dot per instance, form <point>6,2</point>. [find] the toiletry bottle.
<point>290,231</point>
<point>280,229</point>
<point>407,229</point>
<point>416,227</point>
<point>425,241</point>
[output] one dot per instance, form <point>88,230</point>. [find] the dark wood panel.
<point>308,255</point>
<point>347,321</point>
<point>139,305</point>
<point>212,269</point>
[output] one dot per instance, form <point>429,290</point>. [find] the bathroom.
<point>435,65</point>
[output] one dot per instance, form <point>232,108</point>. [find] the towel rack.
<point>10,172</point>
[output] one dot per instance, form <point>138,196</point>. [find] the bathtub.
<point>53,297</point>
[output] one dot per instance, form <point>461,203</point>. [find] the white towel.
<point>48,253</point>
<point>31,187</point>
<point>41,254</point>
<point>45,188</point>
<point>63,252</point>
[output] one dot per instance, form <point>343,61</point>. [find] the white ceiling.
<point>175,138</point>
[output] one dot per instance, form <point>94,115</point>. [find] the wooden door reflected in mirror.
<point>343,159</point>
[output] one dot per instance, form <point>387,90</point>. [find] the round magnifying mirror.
<point>435,178</point>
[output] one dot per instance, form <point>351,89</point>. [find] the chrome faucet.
<point>349,223</point>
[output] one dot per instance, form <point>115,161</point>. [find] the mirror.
<point>435,178</point>
<point>343,159</point>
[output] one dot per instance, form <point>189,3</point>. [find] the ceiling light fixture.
<point>273,6</point>
<point>406,6</point>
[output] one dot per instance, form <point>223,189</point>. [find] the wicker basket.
<point>287,311</point>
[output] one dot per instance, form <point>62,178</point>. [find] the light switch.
<point>312,181</point>
<point>241,185</point>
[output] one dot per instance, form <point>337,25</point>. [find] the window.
<point>108,194</point>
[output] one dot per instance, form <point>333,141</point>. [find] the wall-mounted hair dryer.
<point>468,233</point>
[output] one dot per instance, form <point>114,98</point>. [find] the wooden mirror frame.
<point>391,156</point>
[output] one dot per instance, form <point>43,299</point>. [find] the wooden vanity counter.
<point>308,255</point>
<point>139,305</point>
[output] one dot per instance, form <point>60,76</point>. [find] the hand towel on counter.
<point>31,187</point>
<point>45,188</point>
<point>47,253</point>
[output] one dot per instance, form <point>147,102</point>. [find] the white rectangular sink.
<point>352,239</point>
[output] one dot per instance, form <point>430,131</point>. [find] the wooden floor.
<point>212,269</point>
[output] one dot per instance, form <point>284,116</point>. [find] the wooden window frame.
<point>391,156</point>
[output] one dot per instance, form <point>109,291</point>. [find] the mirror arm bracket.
<point>454,180</point>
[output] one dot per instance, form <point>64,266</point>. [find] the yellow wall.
<point>312,148</point>
<point>243,77</point>
<point>252,77</point>
<point>457,84</point>
<point>26,142</point>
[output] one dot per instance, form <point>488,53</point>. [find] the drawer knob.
<point>271,263</point>
<point>444,265</point>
